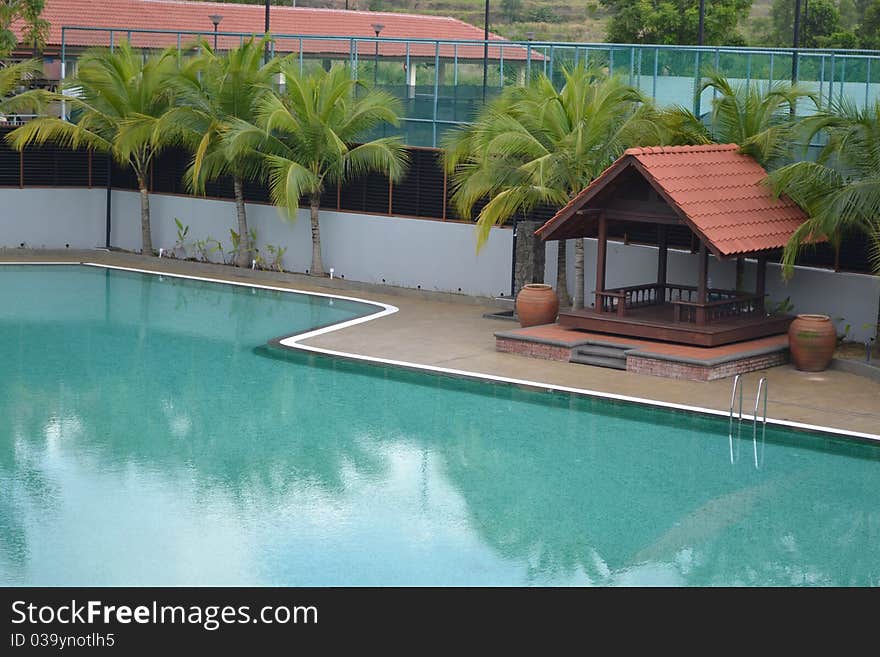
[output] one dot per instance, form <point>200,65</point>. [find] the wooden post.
<point>601,252</point>
<point>703,283</point>
<point>662,258</point>
<point>761,281</point>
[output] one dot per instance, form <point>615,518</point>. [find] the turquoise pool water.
<point>147,436</point>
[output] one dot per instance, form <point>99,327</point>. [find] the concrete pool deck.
<point>449,330</point>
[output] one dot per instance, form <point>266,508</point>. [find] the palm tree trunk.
<point>146,234</point>
<point>317,263</point>
<point>578,274</point>
<point>561,278</point>
<point>245,248</point>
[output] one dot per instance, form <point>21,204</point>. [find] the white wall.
<point>52,218</point>
<point>396,251</point>
<point>401,251</point>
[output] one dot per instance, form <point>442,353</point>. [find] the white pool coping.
<point>295,342</point>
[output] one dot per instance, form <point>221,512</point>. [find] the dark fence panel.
<point>424,192</point>
<point>10,161</point>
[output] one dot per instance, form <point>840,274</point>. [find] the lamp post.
<point>796,41</point>
<point>215,18</point>
<point>485,49</point>
<point>701,25</point>
<point>377,27</point>
<point>266,31</point>
<point>530,36</point>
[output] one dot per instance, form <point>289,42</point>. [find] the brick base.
<point>533,349</point>
<point>648,364</point>
<point>693,372</point>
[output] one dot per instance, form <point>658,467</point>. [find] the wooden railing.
<point>720,305</point>
<point>735,305</point>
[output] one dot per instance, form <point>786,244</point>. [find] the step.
<point>605,352</point>
<point>600,361</point>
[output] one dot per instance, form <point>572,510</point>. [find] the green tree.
<point>819,21</point>
<point>757,117</point>
<point>840,191</point>
<point>309,137</point>
<point>35,29</point>
<point>511,10</point>
<point>674,22</point>
<point>537,145</point>
<point>213,91</point>
<point>869,28</point>
<point>121,96</point>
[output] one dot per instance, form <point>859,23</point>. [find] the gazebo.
<point>715,192</point>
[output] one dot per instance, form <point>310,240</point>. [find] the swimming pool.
<point>149,436</point>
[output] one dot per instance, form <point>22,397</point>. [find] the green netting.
<point>449,87</point>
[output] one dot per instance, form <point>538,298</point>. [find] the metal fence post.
<point>436,92</point>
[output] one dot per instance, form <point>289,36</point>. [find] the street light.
<point>701,25</point>
<point>796,41</point>
<point>266,31</point>
<point>215,18</point>
<point>530,36</point>
<point>485,49</point>
<point>701,28</point>
<point>377,27</point>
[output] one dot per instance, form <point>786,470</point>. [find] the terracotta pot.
<point>536,304</point>
<point>812,339</point>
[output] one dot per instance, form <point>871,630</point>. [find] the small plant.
<point>182,233</point>
<point>783,307</point>
<point>276,253</point>
<point>225,257</point>
<point>203,249</point>
<point>841,337</point>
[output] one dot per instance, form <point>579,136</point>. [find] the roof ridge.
<point>694,148</point>
<point>329,10</point>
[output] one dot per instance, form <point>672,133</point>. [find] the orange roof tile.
<point>716,190</point>
<point>249,19</point>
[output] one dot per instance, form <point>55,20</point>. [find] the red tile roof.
<point>716,190</point>
<point>249,19</point>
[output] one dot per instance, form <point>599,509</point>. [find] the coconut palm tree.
<point>840,191</point>
<point>308,137</point>
<point>120,97</point>
<point>759,118</point>
<point>11,78</point>
<point>536,145</point>
<point>212,91</point>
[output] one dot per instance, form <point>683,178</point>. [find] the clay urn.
<point>536,304</point>
<point>812,340</point>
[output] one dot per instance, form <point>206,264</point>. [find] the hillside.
<point>548,20</point>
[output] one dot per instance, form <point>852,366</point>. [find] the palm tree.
<point>308,136</point>
<point>121,95</point>
<point>535,146</point>
<point>11,77</point>
<point>840,191</point>
<point>213,91</point>
<point>760,119</point>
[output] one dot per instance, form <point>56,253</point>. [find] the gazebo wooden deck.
<point>714,191</point>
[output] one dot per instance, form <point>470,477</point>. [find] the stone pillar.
<point>530,255</point>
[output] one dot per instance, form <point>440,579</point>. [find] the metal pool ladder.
<point>763,386</point>
<point>738,388</point>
